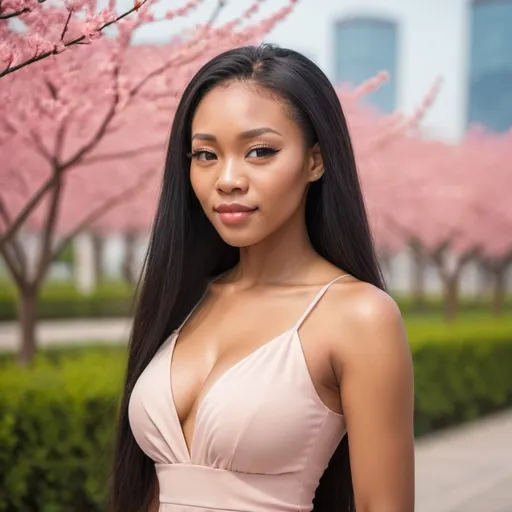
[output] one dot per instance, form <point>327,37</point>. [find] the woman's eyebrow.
<point>249,134</point>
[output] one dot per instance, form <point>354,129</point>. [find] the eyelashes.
<point>196,153</point>
<point>265,151</point>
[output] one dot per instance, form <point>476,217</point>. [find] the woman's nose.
<point>231,179</point>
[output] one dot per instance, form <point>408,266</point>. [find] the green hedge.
<point>114,299</point>
<point>61,301</point>
<point>56,427</point>
<point>57,418</point>
<point>461,371</point>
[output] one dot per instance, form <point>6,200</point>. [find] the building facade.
<point>468,43</point>
<point>364,46</point>
<point>490,64</point>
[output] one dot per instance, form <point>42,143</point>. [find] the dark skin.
<point>354,342</point>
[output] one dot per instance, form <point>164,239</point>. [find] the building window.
<point>364,47</point>
<point>490,65</point>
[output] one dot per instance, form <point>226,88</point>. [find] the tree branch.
<point>39,145</point>
<point>17,249</point>
<point>78,40</point>
<point>121,154</point>
<point>64,30</point>
<point>14,268</point>
<point>52,181</point>
<point>176,61</point>
<point>45,256</point>
<point>96,138</point>
<point>103,209</point>
<point>10,263</point>
<point>14,14</point>
<point>25,212</point>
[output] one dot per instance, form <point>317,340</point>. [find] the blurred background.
<point>87,96</point>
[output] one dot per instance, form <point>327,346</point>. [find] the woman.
<point>263,339</point>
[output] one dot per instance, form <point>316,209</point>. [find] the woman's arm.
<point>374,368</point>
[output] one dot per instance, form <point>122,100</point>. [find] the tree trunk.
<point>418,280</point>
<point>98,249</point>
<point>498,298</point>
<point>450,267</point>
<point>27,305</point>
<point>128,267</point>
<point>451,297</point>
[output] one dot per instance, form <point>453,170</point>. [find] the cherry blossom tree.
<point>50,28</point>
<point>447,202</point>
<point>423,206</point>
<point>488,218</point>
<point>382,142</point>
<point>444,202</point>
<point>70,117</point>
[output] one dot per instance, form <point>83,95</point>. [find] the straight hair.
<point>185,252</point>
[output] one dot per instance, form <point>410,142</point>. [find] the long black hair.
<point>185,251</point>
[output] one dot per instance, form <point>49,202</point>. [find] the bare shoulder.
<point>362,301</point>
<point>369,310</point>
<point>364,321</point>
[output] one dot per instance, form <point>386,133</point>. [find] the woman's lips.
<point>234,213</point>
<point>235,217</point>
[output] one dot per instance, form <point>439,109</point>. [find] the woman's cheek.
<point>283,184</point>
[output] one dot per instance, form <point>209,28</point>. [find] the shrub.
<point>57,419</point>
<point>462,370</point>
<point>435,304</point>
<point>56,428</point>
<point>62,301</point>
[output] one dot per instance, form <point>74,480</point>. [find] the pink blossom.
<point>16,6</point>
<point>59,47</point>
<point>75,5</point>
<point>6,55</point>
<point>91,26</point>
<point>38,44</point>
<point>49,28</point>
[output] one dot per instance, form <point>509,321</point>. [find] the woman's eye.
<point>203,155</point>
<point>261,152</point>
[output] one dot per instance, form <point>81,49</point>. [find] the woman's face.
<point>250,165</point>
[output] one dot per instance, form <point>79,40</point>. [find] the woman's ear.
<point>316,164</point>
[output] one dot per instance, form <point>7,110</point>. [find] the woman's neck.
<point>281,257</point>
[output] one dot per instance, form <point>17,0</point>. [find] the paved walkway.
<point>467,469</point>
<point>64,331</point>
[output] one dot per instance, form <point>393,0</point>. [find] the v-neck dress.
<point>262,436</point>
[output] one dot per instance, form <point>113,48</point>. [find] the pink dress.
<point>262,439</point>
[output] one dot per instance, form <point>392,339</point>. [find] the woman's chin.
<point>239,239</point>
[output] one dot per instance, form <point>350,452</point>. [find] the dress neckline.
<point>205,394</point>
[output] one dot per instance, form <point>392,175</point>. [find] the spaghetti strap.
<point>316,300</point>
